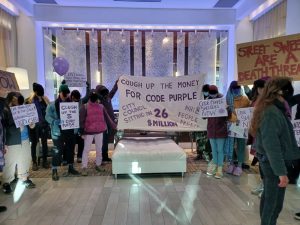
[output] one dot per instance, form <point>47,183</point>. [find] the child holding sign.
<point>216,133</point>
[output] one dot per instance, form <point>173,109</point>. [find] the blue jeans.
<point>271,202</point>
<point>241,144</point>
<point>217,147</point>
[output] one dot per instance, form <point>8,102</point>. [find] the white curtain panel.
<point>271,24</point>
<point>223,63</point>
<point>115,58</point>
<point>202,55</point>
<point>50,90</point>
<point>71,45</point>
<point>159,54</point>
<point>138,54</point>
<point>94,67</point>
<point>180,53</point>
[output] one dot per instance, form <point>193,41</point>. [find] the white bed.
<point>148,155</point>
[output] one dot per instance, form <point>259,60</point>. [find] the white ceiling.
<point>179,4</point>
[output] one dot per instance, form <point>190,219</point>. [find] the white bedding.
<point>148,155</point>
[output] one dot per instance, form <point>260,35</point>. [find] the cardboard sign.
<point>160,103</point>
<point>69,115</point>
<point>271,57</point>
<point>75,79</point>
<point>244,116</point>
<point>213,108</point>
<point>8,83</point>
<point>24,115</point>
<point>296,125</point>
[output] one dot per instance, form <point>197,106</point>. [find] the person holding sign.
<point>61,138</point>
<point>17,145</point>
<point>235,99</point>
<point>217,134</point>
<point>276,146</point>
<point>93,120</point>
<point>42,127</point>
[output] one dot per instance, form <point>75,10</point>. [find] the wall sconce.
<point>21,77</point>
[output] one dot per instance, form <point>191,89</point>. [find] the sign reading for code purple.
<point>160,103</point>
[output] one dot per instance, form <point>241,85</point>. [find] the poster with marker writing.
<point>160,103</point>
<point>69,115</point>
<point>24,115</point>
<point>296,125</point>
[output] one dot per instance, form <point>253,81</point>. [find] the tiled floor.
<point>146,200</point>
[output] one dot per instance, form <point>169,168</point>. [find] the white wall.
<point>243,33</point>
<point>293,17</point>
<point>26,48</point>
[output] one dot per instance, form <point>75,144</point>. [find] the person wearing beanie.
<point>202,144</point>
<point>41,129</point>
<point>105,97</point>
<point>61,138</point>
<point>235,99</point>
<point>17,145</point>
<point>217,134</point>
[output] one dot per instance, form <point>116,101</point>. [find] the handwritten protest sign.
<point>24,115</point>
<point>160,104</point>
<point>75,79</point>
<point>8,83</point>
<point>213,108</point>
<point>69,115</point>
<point>271,57</point>
<point>296,125</point>
<point>244,116</point>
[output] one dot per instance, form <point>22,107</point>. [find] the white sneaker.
<point>259,189</point>
<point>211,169</point>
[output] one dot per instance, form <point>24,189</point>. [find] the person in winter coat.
<point>105,97</point>
<point>41,128</point>
<point>275,145</point>
<point>2,150</point>
<point>93,120</point>
<point>235,99</point>
<point>61,138</point>
<point>217,134</point>
<point>202,147</point>
<point>17,145</point>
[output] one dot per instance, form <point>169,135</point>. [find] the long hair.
<point>271,92</point>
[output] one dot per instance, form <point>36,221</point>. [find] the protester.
<point>275,145</point>
<point>2,150</point>
<point>75,97</point>
<point>93,120</point>
<point>257,90</point>
<point>105,98</point>
<point>17,145</point>
<point>235,99</point>
<point>61,138</point>
<point>202,145</point>
<point>41,129</point>
<point>217,134</point>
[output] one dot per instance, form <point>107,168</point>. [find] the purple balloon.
<point>61,65</point>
